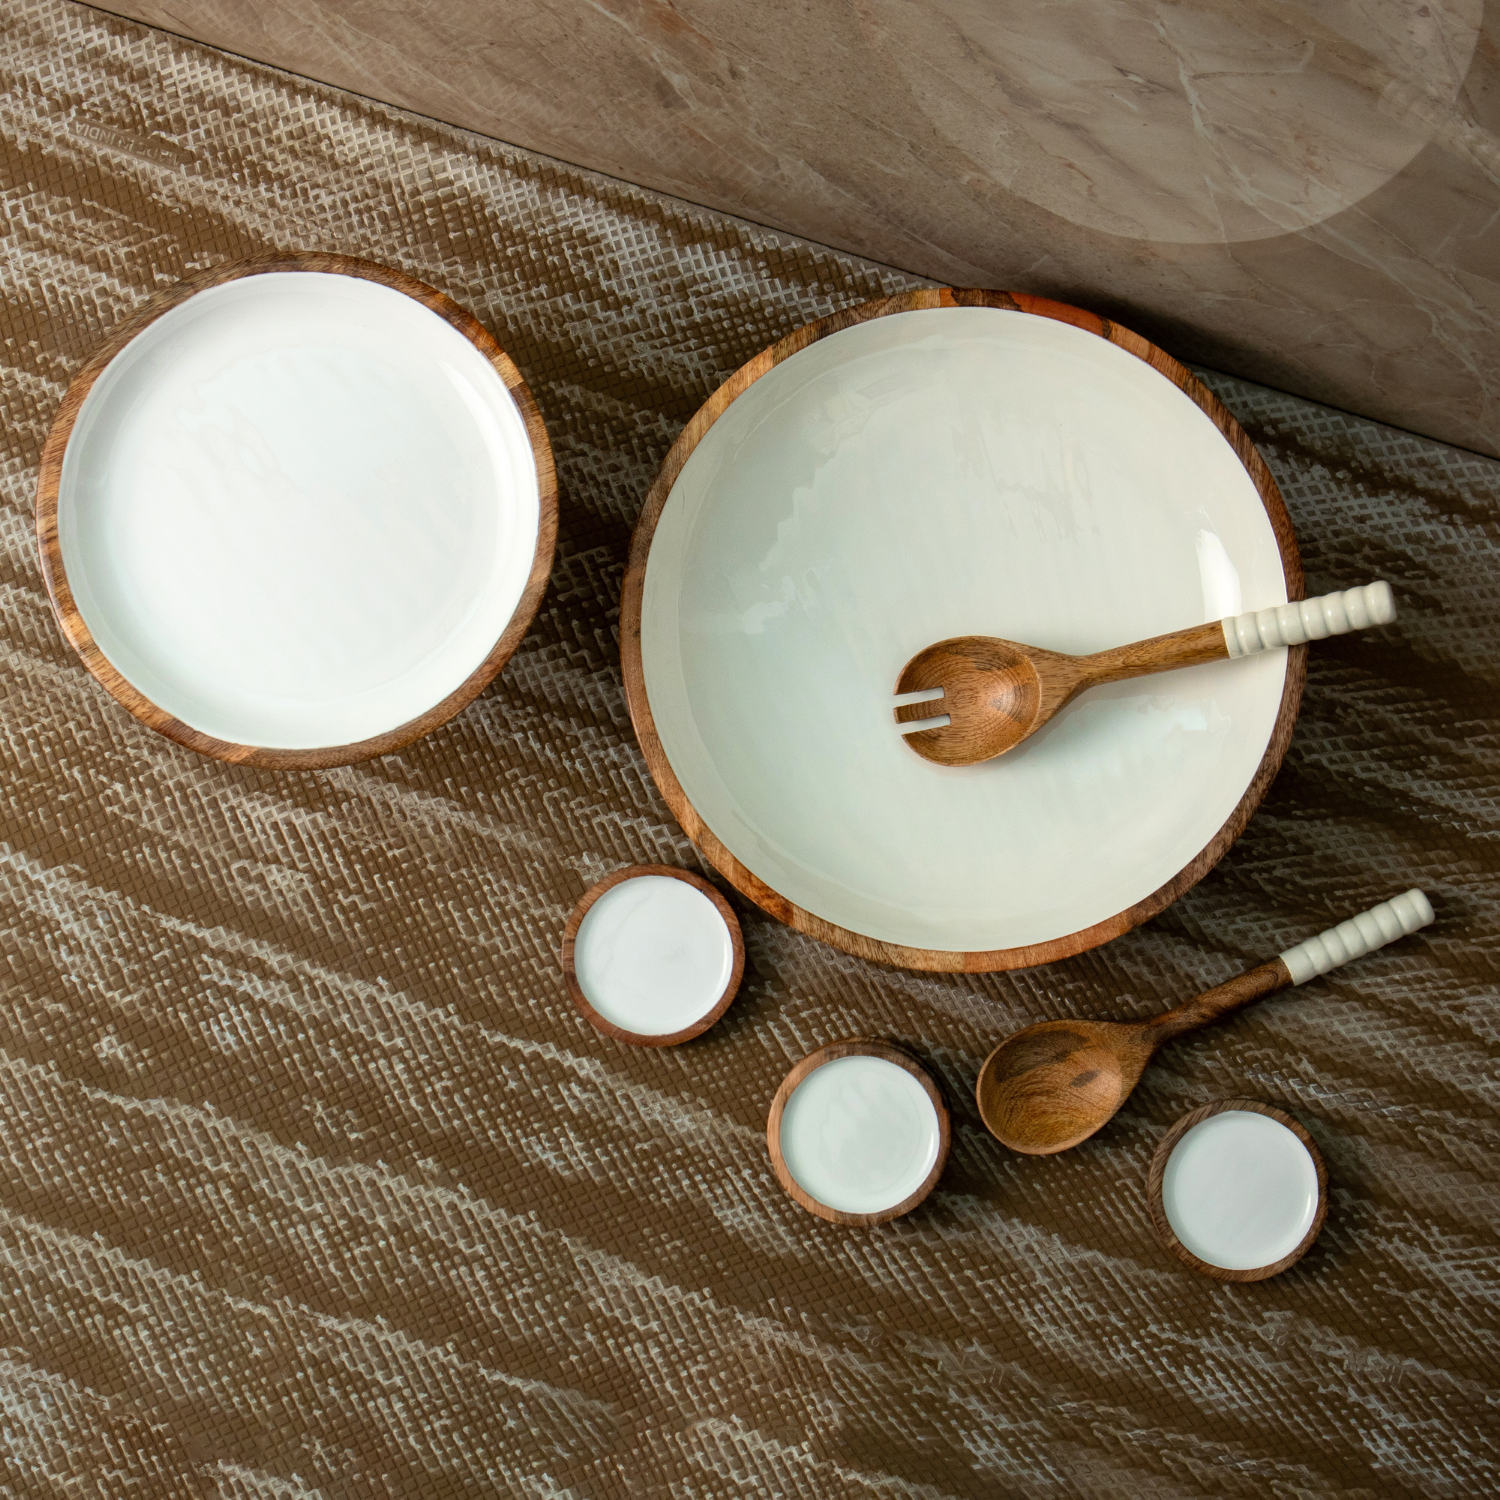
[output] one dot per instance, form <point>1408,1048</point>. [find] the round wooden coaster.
<point>570,966</point>
<point>1157,1174</point>
<point>857,1046</point>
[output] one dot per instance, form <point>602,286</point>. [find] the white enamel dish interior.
<point>860,1134</point>
<point>298,510</point>
<point>938,473</point>
<point>1240,1190</point>
<point>653,955</point>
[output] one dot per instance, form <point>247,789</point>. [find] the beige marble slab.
<point>1307,195</point>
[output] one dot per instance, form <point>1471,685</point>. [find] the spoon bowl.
<point>988,684</point>
<point>1051,1086</point>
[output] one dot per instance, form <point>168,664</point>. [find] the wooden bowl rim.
<point>750,885</point>
<point>1158,1168</point>
<point>857,1046</point>
<point>570,970</point>
<point>81,639</point>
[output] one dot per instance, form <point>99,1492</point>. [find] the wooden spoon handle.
<point>1353,939</point>
<point>1162,653</point>
<point>1219,1001</point>
<point>1403,914</point>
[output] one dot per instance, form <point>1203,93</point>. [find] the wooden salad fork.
<point>997,693</point>
<point>1054,1084</point>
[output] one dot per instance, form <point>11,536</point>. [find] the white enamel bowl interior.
<point>1240,1190</point>
<point>938,473</point>
<point>860,1134</point>
<point>298,510</point>
<point>653,955</point>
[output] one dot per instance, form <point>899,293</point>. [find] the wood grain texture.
<point>1222,1000</point>
<point>603,1023</point>
<point>1051,1086</point>
<point>745,880</point>
<point>1158,1171</point>
<point>998,693</point>
<point>318,1184</point>
<point>1162,653</point>
<point>856,1046</point>
<point>49,480</point>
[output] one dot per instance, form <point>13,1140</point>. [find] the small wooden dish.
<point>1156,1176</point>
<point>851,1047</point>
<point>612,1028</point>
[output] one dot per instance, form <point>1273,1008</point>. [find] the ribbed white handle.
<point>1310,620</point>
<point>1359,935</point>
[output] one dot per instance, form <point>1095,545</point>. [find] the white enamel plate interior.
<point>948,472</point>
<point>653,955</point>
<point>860,1135</point>
<point>298,510</point>
<point>1240,1190</point>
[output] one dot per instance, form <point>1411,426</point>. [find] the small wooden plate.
<point>1255,1139</point>
<point>297,511</point>
<point>646,953</point>
<point>856,1047</point>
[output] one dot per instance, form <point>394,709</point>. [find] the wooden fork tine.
<point>911,713</point>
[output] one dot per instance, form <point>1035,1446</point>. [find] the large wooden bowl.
<point>933,464</point>
<point>322,541</point>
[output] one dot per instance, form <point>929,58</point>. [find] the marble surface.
<point>1304,197</point>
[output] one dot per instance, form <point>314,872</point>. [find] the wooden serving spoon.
<point>1053,1085</point>
<point>997,693</point>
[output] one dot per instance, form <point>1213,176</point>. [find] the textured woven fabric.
<point>312,1180</point>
